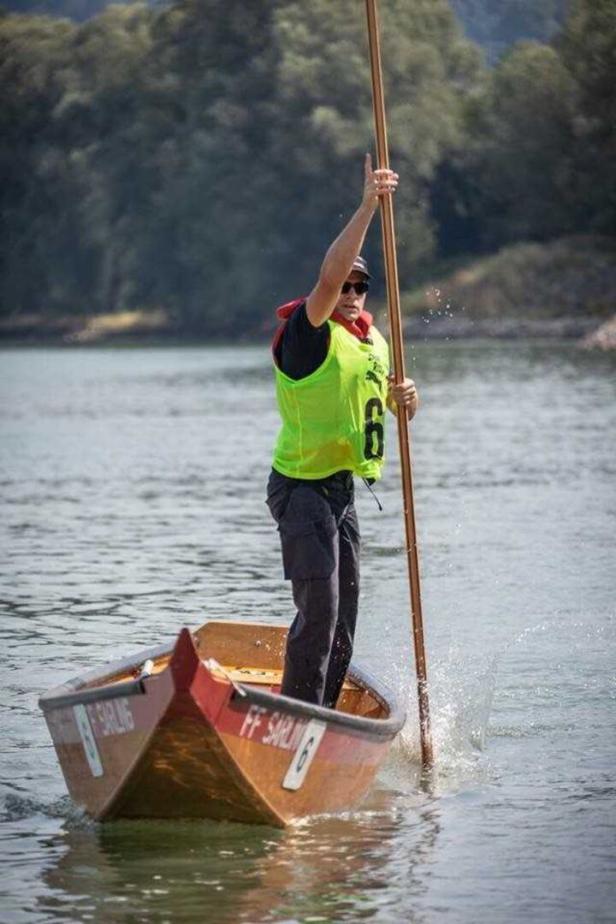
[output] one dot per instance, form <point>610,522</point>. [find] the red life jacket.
<point>359,328</point>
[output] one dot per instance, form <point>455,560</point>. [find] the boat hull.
<point>189,742</point>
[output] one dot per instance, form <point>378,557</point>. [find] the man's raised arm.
<point>339,258</point>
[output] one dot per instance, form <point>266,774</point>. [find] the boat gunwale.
<point>94,694</point>
<point>382,728</point>
<point>72,692</point>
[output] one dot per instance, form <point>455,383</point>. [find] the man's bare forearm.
<point>339,258</point>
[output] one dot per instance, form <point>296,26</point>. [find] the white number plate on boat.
<point>88,740</point>
<point>303,757</point>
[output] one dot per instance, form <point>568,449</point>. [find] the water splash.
<point>461,695</point>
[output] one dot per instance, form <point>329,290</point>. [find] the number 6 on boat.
<point>306,749</point>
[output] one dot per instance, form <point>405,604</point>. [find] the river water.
<point>132,484</point>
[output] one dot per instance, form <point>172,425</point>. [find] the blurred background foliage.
<point>199,156</point>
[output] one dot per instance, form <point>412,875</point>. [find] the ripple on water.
<point>133,486</point>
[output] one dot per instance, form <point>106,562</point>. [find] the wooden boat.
<point>200,730</point>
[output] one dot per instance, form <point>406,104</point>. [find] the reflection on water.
<point>132,485</point>
<point>328,869</point>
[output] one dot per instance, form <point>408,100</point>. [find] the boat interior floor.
<point>353,699</point>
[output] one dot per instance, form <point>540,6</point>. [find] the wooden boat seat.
<point>353,699</point>
<point>251,675</point>
<point>268,677</point>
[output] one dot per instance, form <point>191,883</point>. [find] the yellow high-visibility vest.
<point>333,419</point>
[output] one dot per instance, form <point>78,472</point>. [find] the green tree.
<point>587,49</point>
<point>522,142</point>
<point>539,155</point>
<point>33,57</point>
<point>324,100</point>
<point>201,156</point>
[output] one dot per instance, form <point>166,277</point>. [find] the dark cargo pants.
<point>319,535</point>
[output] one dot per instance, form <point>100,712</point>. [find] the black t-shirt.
<point>302,348</point>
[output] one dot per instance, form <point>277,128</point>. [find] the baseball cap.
<point>360,266</point>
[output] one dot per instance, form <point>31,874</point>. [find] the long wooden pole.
<point>395,324</point>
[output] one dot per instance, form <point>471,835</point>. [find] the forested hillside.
<point>199,157</point>
<point>494,24</point>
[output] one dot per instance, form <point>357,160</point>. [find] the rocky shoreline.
<point>429,326</point>
<point>563,289</point>
<point>434,327</point>
<point>603,338</point>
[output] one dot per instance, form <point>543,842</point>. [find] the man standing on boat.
<point>332,385</point>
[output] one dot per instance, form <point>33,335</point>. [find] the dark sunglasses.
<point>360,287</point>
